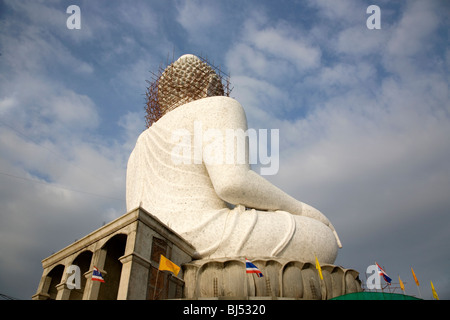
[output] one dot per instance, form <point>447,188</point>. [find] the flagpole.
<point>378,271</point>
<point>156,285</point>
<point>435,295</point>
<point>323,288</point>
<point>417,283</point>
<point>402,285</point>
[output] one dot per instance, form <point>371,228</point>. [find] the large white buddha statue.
<point>193,196</point>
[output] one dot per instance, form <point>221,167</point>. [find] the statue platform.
<point>127,251</point>
<point>282,279</point>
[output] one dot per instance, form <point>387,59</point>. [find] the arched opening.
<point>83,261</point>
<point>115,248</point>
<point>54,276</point>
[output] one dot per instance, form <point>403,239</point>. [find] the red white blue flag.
<point>381,272</point>
<point>97,276</point>
<point>251,268</point>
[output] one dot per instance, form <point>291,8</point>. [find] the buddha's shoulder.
<point>211,104</point>
<point>202,109</point>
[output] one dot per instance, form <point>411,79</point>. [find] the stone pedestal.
<point>282,279</point>
<point>127,252</point>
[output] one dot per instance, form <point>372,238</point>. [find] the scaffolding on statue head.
<point>153,108</point>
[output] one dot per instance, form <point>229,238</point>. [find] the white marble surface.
<point>191,198</point>
<point>178,172</point>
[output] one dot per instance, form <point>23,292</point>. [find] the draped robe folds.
<point>187,196</point>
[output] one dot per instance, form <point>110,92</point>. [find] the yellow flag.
<point>319,268</point>
<point>402,286</point>
<point>415,278</point>
<point>166,264</point>
<point>435,295</point>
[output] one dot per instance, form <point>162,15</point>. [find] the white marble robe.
<point>191,197</point>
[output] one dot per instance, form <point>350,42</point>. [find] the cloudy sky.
<point>364,118</point>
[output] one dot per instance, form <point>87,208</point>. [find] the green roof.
<point>375,296</point>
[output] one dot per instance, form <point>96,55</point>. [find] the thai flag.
<point>97,276</point>
<point>251,268</point>
<point>381,272</point>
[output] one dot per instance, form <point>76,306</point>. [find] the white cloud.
<point>39,13</point>
<point>253,91</point>
<point>348,76</point>
<point>284,43</point>
<point>131,76</point>
<point>34,50</point>
<point>133,125</point>
<point>59,178</point>
<point>417,24</point>
<point>341,11</point>
<point>266,45</point>
<point>265,63</point>
<point>358,40</point>
<point>244,60</point>
<point>140,16</point>
<point>49,108</point>
<point>206,29</point>
<point>72,110</point>
<point>197,17</point>
<point>45,136</point>
<point>7,104</point>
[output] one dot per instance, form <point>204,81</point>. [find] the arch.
<point>83,261</point>
<point>115,248</point>
<point>54,278</point>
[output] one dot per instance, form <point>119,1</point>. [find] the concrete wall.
<point>126,251</point>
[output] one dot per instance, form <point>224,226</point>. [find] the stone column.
<point>134,277</point>
<point>44,285</point>
<point>63,291</point>
<point>92,288</point>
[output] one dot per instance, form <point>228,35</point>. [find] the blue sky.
<point>364,118</point>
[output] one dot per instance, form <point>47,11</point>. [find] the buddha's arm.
<point>238,184</point>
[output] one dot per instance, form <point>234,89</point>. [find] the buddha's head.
<point>186,80</point>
